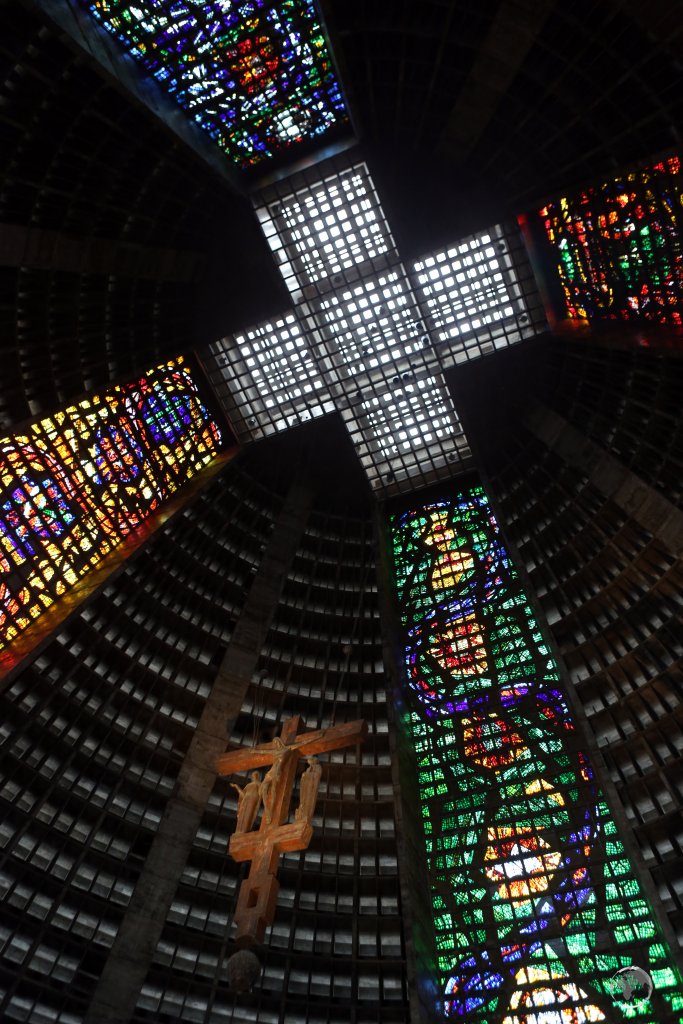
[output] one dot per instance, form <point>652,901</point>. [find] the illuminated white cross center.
<point>369,335</point>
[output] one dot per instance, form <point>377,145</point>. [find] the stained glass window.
<point>619,249</point>
<point>535,904</point>
<point>75,484</point>
<point>257,76</point>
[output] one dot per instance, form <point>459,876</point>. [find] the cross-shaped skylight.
<point>369,335</point>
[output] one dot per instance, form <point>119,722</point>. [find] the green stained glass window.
<point>538,907</point>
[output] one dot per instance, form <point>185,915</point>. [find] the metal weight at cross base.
<point>272,796</point>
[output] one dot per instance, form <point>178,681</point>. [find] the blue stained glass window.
<point>257,76</point>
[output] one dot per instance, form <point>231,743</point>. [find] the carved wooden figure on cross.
<point>275,835</point>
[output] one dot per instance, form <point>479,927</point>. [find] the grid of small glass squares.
<point>407,434</point>
<point>374,335</point>
<point>473,297</point>
<point>280,383</point>
<point>371,328</point>
<point>326,230</point>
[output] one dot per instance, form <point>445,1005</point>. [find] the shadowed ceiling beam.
<point>659,18</point>
<point>22,246</point>
<point>132,952</point>
<point>630,492</point>
<point>513,32</point>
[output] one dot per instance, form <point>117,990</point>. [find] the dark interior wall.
<point>96,728</point>
<point>475,112</point>
<point>628,399</point>
<point>621,388</point>
<point>124,248</point>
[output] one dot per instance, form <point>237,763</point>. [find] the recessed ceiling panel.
<point>476,295</point>
<point>368,336</point>
<point>371,329</point>
<point>407,433</point>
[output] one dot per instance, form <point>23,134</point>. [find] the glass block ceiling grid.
<point>326,233</point>
<point>280,383</point>
<point>257,76</point>
<point>369,335</point>
<point>369,328</point>
<point>470,289</point>
<point>406,432</point>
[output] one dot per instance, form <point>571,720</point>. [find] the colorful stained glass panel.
<point>74,485</point>
<point>535,904</point>
<point>618,247</point>
<point>256,76</point>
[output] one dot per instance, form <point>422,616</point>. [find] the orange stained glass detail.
<point>491,743</point>
<point>460,648</point>
<point>520,861</point>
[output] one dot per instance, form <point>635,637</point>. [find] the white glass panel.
<point>468,287</point>
<point>324,230</point>
<point>372,327</point>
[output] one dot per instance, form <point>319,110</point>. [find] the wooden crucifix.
<point>273,795</point>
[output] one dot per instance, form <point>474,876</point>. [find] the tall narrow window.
<point>535,904</point>
<point>73,485</point>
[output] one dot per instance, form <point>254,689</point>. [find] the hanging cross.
<point>276,835</point>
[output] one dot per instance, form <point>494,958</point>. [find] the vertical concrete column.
<point>130,957</point>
